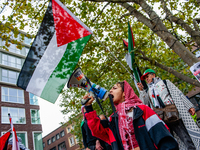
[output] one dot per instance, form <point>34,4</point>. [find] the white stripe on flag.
<point>152,121</point>
<point>46,66</point>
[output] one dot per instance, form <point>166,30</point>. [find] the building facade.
<point>61,139</point>
<point>22,106</point>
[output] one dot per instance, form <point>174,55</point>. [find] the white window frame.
<point>34,140</point>
<point>9,94</point>
<point>9,63</point>
<point>11,115</point>
<point>17,74</point>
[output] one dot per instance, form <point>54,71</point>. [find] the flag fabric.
<point>131,45</point>
<point>130,57</point>
<point>15,143</point>
<point>54,53</point>
<point>4,141</point>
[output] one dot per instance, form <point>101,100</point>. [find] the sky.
<point>50,116</point>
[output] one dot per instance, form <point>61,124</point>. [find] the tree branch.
<point>170,70</point>
<point>195,22</point>
<point>195,35</point>
<point>100,12</point>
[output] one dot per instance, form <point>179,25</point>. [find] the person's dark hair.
<point>121,84</point>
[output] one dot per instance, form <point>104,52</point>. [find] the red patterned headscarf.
<point>125,123</point>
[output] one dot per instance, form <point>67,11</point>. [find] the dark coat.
<point>150,132</point>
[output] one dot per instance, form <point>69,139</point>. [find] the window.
<point>27,40</point>
<point>71,141</point>
<point>35,116</point>
<point>53,139</point>
<point>12,95</point>
<point>26,50</point>
<point>49,141</point>
<point>62,133</point>
<point>22,136</point>
<point>17,114</point>
<point>11,61</point>
<point>62,146</point>
<point>37,140</point>
<point>57,136</point>
<point>12,48</point>
<point>9,76</point>
<point>43,145</point>
<point>68,129</point>
<point>72,127</point>
<point>33,99</point>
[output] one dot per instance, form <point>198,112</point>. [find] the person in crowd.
<point>134,126</point>
<point>90,142</point>
<point>162,93</point>
<point>21,146</point>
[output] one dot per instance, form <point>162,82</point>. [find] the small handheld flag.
<point>54,53</point>
<point>15,143</point>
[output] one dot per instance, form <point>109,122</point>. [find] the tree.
<point>165,33</point>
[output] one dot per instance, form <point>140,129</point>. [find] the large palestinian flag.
<point>54,53</point>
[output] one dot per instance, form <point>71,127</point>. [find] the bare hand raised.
<point>90,101</point>
<point>140,86</point>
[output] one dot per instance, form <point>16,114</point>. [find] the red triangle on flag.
<point>67,28</point>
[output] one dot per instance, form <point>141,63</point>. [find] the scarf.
<point>125,123</point>
<point>157,101</point>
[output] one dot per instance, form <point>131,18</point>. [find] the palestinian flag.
<point>54,53</point>
<point>4,141</point>
<point>130,57</point>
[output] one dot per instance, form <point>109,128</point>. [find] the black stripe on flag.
<point>40,43</point>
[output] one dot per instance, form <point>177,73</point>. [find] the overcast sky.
<point>50,115</point>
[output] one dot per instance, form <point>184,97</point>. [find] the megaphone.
<point>78,79</point>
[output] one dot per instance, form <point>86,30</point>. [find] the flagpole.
<point>114,57</point>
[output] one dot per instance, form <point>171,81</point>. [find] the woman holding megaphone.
<point>133,126</point>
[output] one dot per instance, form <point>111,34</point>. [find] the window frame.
<point>12,116</point>
<point>61,133</point>
<point>34,117</point>
<point>12,96</point>
<point>33,100</point>
<point>70,144</point>
<point>33,132</point>
<point>9,80</point>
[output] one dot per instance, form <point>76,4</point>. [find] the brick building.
<point>61,139</point>
<point>22,106</point>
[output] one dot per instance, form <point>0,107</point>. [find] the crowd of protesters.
<point>135,126</point>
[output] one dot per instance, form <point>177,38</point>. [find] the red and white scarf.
<point>125,123</point>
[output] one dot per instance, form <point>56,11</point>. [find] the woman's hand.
<point>87,148</point>
<point>98,145</point>
<point>90,101</point>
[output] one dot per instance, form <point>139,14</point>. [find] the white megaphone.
<point>78,79</point>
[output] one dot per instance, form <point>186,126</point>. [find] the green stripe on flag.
<point>131,51</point>
<point>64,69</point>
